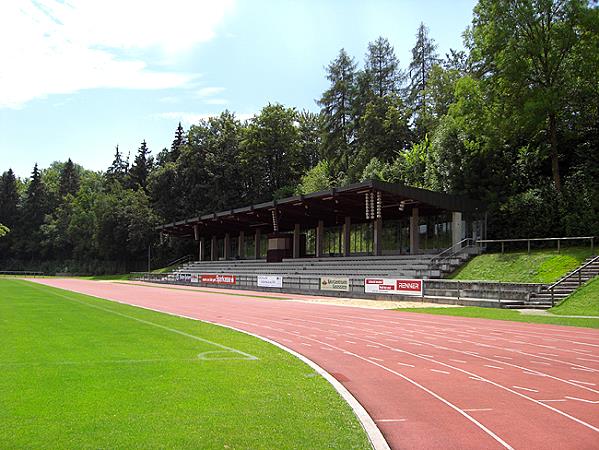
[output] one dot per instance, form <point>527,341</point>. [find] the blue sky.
<point>78,77</point>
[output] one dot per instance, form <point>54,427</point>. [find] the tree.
<point>382,68</point>
<point>177,143</point>
<point>35,207</point>
<point>142,165</point>
<point>9,198</point>
<point>118,169</point>
<point>523,49</point>
<point>424,57</point>
<point>69,179</point>
<point>337,109</point>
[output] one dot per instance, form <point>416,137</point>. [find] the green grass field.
<point>541,266</point>
<point>80,372</point>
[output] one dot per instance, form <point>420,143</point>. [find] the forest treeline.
<point>513,120</point>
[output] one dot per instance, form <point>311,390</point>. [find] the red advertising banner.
<point>393,286</point>
<point>218,279</point>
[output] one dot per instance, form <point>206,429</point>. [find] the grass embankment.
<point>541,266</point>
<point>583,302</point>
<point>81,372</point>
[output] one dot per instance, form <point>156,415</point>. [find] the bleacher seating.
<point>397,266</point>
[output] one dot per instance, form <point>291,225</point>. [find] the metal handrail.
<point>182,259</point>
<point>529,240</point>
<point>458,244</point>
<point>567,277</point>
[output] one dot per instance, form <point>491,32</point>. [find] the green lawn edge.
<point>583,302</point>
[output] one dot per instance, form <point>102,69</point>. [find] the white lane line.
<point>375,359</point>
<point>525,389</point>
<point>582,400</point>
<point>458,361</point>
<point>582,382</point>
<point>527,372</point>
<point>440,371</point>
<point>585,343</point>
<point>548,354</point>
<point>426,356</point>
<point>330,338</point>
<point>372,346</point>
<point>502,357</point>
<point>588,359</point>
<point>555,400</point>
<point>350,342</point>
<point>404,364</point>
<point>493,367</point>
<point>306,344</point>
<point>414,343</point>
<point>476,378</point>
<point>583,369</point>
<point>478,409</point>
<point>389,420</point>
<point>326,348</point>
<point>540,362</point>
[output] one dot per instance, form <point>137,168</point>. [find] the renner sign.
<point>393,286</point>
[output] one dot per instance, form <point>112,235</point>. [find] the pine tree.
<point>118,169</point>
<point>69,180</point>
<point>382,68</point>
<point>424,56</point>
<point>35,208</point>
<point>138,174</point>
<point>177,143</point>
<point>337,106</point>
<point>9,198</point>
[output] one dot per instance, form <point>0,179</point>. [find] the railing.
<point>21,273</point>
<point>449,252</point>
<point>181,260</point>
<point>567,277</point>
<point>529,240</point>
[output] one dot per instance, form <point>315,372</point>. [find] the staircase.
<point>552,295</point>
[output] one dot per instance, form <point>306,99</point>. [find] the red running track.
<point>427,381</point>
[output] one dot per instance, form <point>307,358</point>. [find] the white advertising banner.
<point>334,284</point>
<point>271,281</point>
<point>400,286</point>
<point>195,278</point>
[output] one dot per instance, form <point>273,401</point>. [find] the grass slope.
<point>583,302</point>
<point>80,372</point>
<point>541,266</point>
<point>506,314</point>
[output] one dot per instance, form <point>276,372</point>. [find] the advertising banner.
<point>271,281</point>
<point>393,286</point>
<point>218,279</point>
<point>334,284</point>
<point>195,278</point>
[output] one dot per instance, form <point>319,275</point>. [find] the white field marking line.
<point>585,343</point>
<point>389,420</point>
<point>548,354</point>
<point>84,363</point>
<point>478,409</point>
<point>582,400</point>
<point>385,323</point>
<point>426,356</point>
<point>405,364</point>
<point>372,346</point>
<point>502,357</point>
<point>375,359</point>
<point>582,382</point>
<point>147,322</point>
<point>584,369</point>
<point>414,383</point>
<point>500,386</point>
<point>457,327</point>
<point>554,400</point>
<point>458,361</point>
<point>527,389</point>
<point>305,343</point>
<point>493,367</point>
<point>587,359</point>
<point>350,342</point>
<point>540,362</point>
<point>530,370</point>
<point>440,371</point>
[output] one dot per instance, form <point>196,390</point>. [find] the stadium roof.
<point>330,206</point>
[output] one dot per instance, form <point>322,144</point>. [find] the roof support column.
<point>377,246</point>
<point>456,227</point>
<point>319,238</point>
<point>414,232</point>
<point>346,235</point>
<point>227,249</point>
<point>296,240</point>
<point>201,249</point>
<point>213,249</point>
<point>241,245</point>
<point>257,244</point>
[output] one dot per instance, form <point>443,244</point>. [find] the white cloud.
<point>191,118</point>
<point>216,101</point>
<point>209,91</point>
<point>56,47</point>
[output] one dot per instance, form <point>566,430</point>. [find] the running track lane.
<point>427,381</point>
